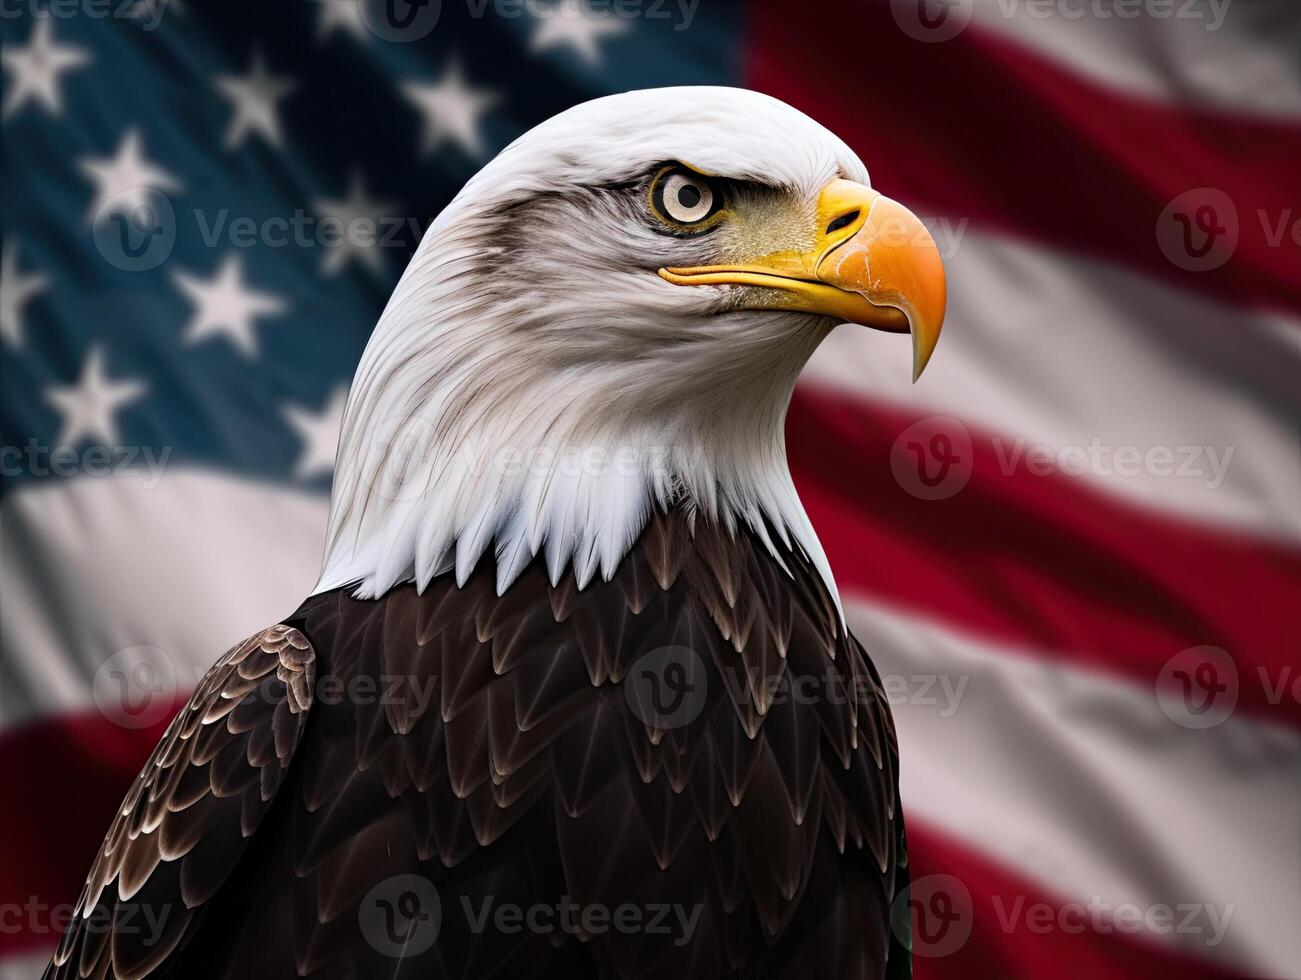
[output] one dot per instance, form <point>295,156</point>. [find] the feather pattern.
<point>193,811</point>
<point>496,748</point>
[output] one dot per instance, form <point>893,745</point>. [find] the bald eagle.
<point>574,695</point>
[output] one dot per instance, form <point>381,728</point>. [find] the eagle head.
<point>609,318</point>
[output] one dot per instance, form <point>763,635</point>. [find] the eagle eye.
<point>684,199</point>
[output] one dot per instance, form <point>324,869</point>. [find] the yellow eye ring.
<point>685,200</point>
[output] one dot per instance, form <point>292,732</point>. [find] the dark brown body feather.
<point>489,746</point>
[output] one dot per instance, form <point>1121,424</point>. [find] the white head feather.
<point>534,386</point>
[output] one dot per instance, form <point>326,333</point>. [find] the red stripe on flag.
<point>65,777</point>
<point>979,127</point>
<point>1043,563</point>
<point>975,919</point>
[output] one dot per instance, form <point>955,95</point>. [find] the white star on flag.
<point>16,288</point>
<point>319,432</point>
<point>225,305</point>
<point>253,98</point>
<point>574,24</point>
<point>37,69</point>
<point>125,178</point>
<point>451,109</point>
<point>89,405</point>
<point>340,14</point>
<point>354,241</point>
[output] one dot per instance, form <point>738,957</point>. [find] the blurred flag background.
<point>1074,548</point>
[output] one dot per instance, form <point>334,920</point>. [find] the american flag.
<point>1073,549</point>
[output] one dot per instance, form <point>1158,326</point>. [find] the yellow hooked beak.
<point>872,262</point>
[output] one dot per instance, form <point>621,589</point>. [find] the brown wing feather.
<point>191,812</point>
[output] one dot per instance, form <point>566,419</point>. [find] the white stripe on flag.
<point>191,566</point>
<point>1081,783</point>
